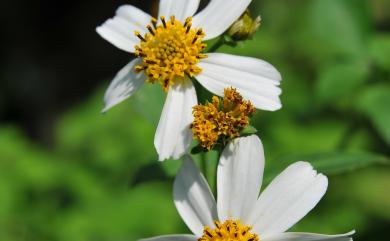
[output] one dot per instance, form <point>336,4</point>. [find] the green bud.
<point>244,27</point>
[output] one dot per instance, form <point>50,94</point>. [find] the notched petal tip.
<point>307,165</point>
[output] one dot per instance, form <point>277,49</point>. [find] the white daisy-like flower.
<point>240,213</point>
<point>170,52</point>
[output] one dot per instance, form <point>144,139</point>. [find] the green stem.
<point>217,45</point>
<point>203,164</point>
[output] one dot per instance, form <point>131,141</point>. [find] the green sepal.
<point>249,130</point>
<point>198,149</point>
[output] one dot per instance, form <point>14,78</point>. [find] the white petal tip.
<point>321,178</point>
<point>100,30</point>
<point>104,110</point>
<point>173,136</point>
<point>306,165</point>
<point>173,156</point>
<point>275,108</point>
<point>162,159</point>
<point>107,106</point>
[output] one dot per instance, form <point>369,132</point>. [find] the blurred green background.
<point>68,172</point>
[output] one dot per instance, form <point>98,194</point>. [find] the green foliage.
<point>330,163</point>
<point>338,81</point>
<point>375,104</point>
<point>380,50</point>
<point>335,25</point>
<point>89,187</point>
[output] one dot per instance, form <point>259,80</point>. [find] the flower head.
<point>221,120</point>
<point>229,230</point>
<point>240,213</point>
<point>170,50</point>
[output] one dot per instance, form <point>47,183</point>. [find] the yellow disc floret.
<point>170,51</point>
<point>229,231</point>
<point>221,120</point>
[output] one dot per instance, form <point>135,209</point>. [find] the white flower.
<point>170,51</point>
<point>241,213</point>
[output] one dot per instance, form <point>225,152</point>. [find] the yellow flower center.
<point>170,51</point>
<point>221,120</point>
<point>229,231</point>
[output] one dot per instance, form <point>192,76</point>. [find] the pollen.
<point>229,231</point>
<point>170,50</point>
<point>222,119</point>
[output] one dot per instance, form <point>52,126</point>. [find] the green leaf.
<point>338,163</point>
<point>375,182</point>
<point>106,217</point>
<point>287,136</point>
<point>375,104</point>
<point>379,50</point>
<point>338,81</point>
<point>119,137</point>
<point>331,163</point>
<point>335,26</point>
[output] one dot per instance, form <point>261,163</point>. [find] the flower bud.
<point>244,27</point>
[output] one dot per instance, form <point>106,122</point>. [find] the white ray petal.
<point>193,198</point>
<point>219,15</point>
<point>310,237</point>
<point>173,134</point>
<point>255,79</point>
<point>119,30</point>
<point>181,9</point>
<point>125,83</point>
<point>287,199</point>
<point>240,173</point>
<point>173,237</point>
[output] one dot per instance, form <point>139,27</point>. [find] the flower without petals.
<point>170,51</point>
<point>240,213</point>
<point>221,120</point>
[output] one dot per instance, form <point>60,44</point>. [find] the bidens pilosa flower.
<point>240,213</point>
<point>170,50</point>
<point>221,120</point>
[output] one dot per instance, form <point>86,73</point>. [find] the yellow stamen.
<point>170,51</point>
<point>221,120</point>
<point>230,230</point>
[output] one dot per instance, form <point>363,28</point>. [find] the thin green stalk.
<point>217,45</point>
<point>203,164</point>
